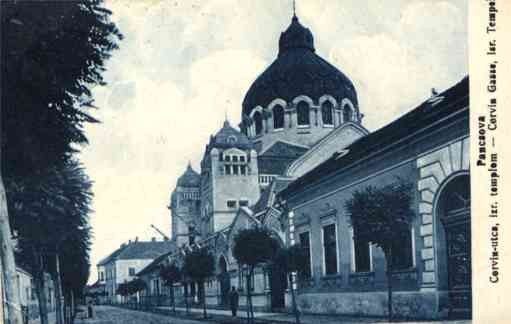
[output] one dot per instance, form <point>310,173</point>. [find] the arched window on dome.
<point>258,121</point>
<point>327,110</point>
<point>278,117</point>
<point>302,114</point>
<point>347,113</point>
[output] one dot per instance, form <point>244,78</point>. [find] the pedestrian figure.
<point>233,300</point>
<point>89,309</point>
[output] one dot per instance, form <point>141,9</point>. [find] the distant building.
<point>124,263</point>
<point>27,293</point>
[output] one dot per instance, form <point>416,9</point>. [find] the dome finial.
<point>294,8</point>
<point>226,121</point>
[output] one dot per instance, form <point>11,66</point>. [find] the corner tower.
<point>229,178</point>
<point>300,97</point>
<point>185,207</point>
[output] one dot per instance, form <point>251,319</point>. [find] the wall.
<point>425,161</point>
<point>232,187</point>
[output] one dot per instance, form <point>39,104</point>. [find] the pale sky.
<point>183,65</point>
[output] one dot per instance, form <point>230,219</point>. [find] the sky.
<point>184,65</point>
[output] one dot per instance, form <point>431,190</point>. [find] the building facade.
<point>428,148</point>
<point>301,144</point>
<point>124,263</point>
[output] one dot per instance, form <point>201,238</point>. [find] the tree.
<point>382,216</point>
<point>253,247</point>
<point>123,290</point>
<point>199,265</point>
<point>171,274</point>
<point>52,52</point>
<point>292,259</point>
<point>51,215</point>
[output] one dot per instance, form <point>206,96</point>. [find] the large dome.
<point>298,70</point>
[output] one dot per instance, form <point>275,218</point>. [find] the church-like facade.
<point>301,141</point>
<point>288,113</point>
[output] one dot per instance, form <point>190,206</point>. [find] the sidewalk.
<point>224,316</point>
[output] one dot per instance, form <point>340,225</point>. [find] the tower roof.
<point>298,70</point>
<point>190,178</point>
<point>229,136</point>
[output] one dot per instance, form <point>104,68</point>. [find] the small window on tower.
<point>231,203</point>
<point>243,203</point>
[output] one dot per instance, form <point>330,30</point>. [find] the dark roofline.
<point>456,99</point>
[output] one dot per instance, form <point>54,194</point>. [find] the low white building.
<point>125,262</point>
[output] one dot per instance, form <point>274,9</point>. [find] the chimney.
<point>153,239</point>
<point>129,241</point>
<point>136,239</point>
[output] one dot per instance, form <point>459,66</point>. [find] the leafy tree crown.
<point>254,246</point>
<point>199,264</point>
<point>381,215</point>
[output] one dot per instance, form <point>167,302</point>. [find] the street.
<point>114,315</point>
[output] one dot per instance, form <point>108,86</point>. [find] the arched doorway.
<point>454,245</point>
<point>225,282</point>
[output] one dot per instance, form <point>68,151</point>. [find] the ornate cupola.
<point>296,36</point>
<point>300,97</point>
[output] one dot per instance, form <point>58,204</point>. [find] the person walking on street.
<point>233,300</point>
<point>89,309</point>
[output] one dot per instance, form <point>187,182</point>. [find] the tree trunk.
<point>41,294</point>
<point>293,298</point>
<point>247,288</point>
<point>10,284</point>
<point>72,306</point>
<point>389,284</point>
<point>203,288</point>
<point>186,299</point>
<point>173,298</point>
<point>59,297</point>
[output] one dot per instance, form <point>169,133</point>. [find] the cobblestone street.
<point>114,315</point>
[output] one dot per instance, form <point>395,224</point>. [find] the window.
<point>243,203</point>
<point>327,110</point>
<point>362,256</point>
<point>330,249</point>
<point>305,244</point>
<point>235,169</point>
<point>243,169</point>
<point>302,111</point>
<point>278,117</point>
<point>228,169</point>
<point>242,158</point>
<point>131,271</point>
<point>258,120</point>
<point>346,113</point>
<point>231,203</point>
<point>101,276</point>
<point>227,158</point>
<point>234,158</point>
<point>402,253</point>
